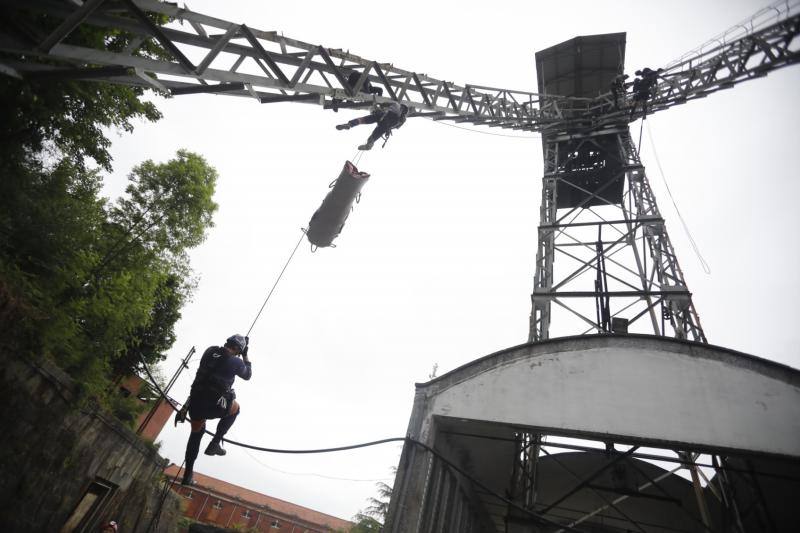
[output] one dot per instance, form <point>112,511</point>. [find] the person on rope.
<point>212,396</point>
<point>388,117</point>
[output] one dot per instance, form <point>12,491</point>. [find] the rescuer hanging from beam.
<point>388,116</point>
<point>212,396</point>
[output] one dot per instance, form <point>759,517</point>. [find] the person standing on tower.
<point>643,87</point>
<point>212,396</point>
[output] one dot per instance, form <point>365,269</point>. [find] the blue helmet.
<point>238,341</point>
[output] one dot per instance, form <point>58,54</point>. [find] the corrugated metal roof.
<point>583,66</point>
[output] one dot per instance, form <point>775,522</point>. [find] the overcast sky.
<point>435,265</point>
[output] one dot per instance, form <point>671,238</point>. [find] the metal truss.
<point>614,253</point>
<point>205,54</point>
<point>601,484</point>
<point>743,53</point>
<point>617,268</point>
<point>618,479</point>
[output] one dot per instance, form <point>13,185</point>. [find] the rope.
<point>703,263</point>
<point>153,526</point>
<point>641,127</point>
<point>276,282</point>
<point>485,132</point>
<point>406,439</point>
<point>313,474</point>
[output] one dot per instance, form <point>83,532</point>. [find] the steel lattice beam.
<point>270,66</point>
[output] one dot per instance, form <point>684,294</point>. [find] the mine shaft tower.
<point>599,221</point>
<point>604,260</point>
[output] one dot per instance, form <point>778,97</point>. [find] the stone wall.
<point>57,454</point>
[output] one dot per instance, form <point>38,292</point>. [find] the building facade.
<point>222,504</point>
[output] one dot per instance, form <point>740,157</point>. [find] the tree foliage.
<point>371,519</point>
<point>90,283</point>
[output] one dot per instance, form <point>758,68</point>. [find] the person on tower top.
<point>618,89</point>
<point>212,396</point>
<point>643,87</point>
<point>388,116</point>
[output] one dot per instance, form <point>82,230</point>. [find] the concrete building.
<point>603,433</point>
<point>222,504</point>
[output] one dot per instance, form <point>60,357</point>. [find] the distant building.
<point>216,502</point>
<point>158,410</point>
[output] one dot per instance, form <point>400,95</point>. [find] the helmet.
<point>237,341</point>
<point>405,109</point>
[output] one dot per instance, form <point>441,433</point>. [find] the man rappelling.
<point>212,396</point>
<point>388,116</point>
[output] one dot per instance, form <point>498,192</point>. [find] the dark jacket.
<point>218,370</point>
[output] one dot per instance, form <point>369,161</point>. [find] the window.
<point>89,505</point>
<point>246,513</point>
<point>218,505</point>
<point>275,524</point>
<point>188,494</point>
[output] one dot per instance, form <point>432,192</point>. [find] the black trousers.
<point>385,123</point>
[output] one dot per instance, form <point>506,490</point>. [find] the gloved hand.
<point>246,347</point>
<point>180,416</point>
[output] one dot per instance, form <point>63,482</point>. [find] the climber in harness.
<point>388,117</point>
<point>212,397</point>
<point>643,87</point>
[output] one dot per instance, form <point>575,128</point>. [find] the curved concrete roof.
<point>626,387</point>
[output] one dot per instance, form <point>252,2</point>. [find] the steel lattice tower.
<point>604,256</point>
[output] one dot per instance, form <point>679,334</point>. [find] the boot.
<point>215,447</point>
<point>187,477</point>
<point>367,146</point>
<point>343,127</point>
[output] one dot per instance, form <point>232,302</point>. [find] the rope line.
<point>485,132</point>
<point>447,462</point>
<point>703,263</point>
<point>312,474</point>
<point>276,282</point>
<point>406,439</point>
<point>153,526</point>
<point>641,127</point>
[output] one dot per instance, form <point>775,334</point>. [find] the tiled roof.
<point>250,496</point>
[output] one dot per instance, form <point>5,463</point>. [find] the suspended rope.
<point>153,526</point>
<point>303,233</point>
<point>639,147</point>
<point>486,132</point>
<point>357,158</point>
<point>312,474</point>
<point>703,263</point>
<point>406,439</point>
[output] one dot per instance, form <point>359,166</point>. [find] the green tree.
<point>365,524</point>
<point>92,284</point>
<point>100,293</point>
<point>373,517</point>
<point>67,119</point>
